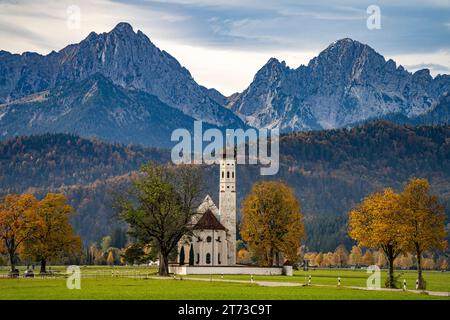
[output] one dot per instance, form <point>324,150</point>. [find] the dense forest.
<point>331,171</point>
<point>55,160</point>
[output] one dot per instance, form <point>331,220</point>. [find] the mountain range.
<point>347,83</point>
<point>118,86</point>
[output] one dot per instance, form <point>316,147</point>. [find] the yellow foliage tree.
<point>375,223</point>
<point>328,259</point>
<point>428,264</point>
<point>319,259</point>
<point>244,256</point>
<point>444,265</point>
<point>110,258</point>
<point>53,236</point>
<point>368,258</point>
<point>341,256</point>
<point>310,256</point>
<point>272,222</point>
<point>379,258</point>
<point>17,223</point>
<point>423,225</point>
<point>355,256</point>
<point>404,261</point>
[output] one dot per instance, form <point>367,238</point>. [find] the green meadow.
<point>436,281</point>
<point>142,283</point>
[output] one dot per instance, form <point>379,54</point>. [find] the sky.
<point>223,43</point>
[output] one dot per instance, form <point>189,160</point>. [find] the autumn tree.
<point>160,206</point>
<point>376,223</point>
<point>105,244</point>
<point>341,256</point>
<point>53,236</point>
<point>17,223</point>
<point>244,257</point>
<point>355,256</point>
<point>444,264</point>
<point>423,226</point>
<point>379,258</point>
<point>427,264</point>
<point>310,256</point>
<point>272,222</point>
<point>319,259</point>
<point>368,258</point>
<point>110,258</point>
<point>328,259</point>
<point>96,254</point>
<point>404,261</point>
<point>134,253</point>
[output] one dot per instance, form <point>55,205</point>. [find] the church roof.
<point>208,204</point>
<point>208,221</point>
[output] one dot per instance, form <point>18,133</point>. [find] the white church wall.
<point>227,204</point>
<point>203,248</point>
<point>230,270</point>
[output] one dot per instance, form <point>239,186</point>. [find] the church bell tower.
<point>227,204</point>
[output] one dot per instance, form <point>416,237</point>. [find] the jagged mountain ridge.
<point>128,59</point>
<point>347,83</point>
<point>95,107</point>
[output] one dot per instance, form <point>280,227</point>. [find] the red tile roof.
<point>208,221</point>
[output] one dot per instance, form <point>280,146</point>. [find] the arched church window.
<point>208,239</point>
<point>232,174</point>
<point>228,174</point>
<point>208,258</point>
<point>223,174</point>
<point>198,258</point>
<point>218,258</point>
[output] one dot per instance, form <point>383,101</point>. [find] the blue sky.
<point>224,42</point>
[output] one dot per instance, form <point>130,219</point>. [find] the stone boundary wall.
<point>186,270</point>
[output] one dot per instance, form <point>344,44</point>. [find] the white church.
<point>214,229</point>
<point>213,238</point>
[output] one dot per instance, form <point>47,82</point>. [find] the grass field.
<point>97,283</point>
<point>436,281</point>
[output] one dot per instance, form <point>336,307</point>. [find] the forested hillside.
<point>55,160</point>
<point>331,171</point>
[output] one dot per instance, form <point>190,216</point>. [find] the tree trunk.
<point>163,264</point>
<point>12,253</point>
<point>12,260</point>
<point>43,266</point>
<point>271,257</point>
<point>391,283</point>
<point>389,252</point>
<point>421,284</point>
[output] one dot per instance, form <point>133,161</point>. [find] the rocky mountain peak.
<point>273,69</point>
<point>423,75</point>
<point>348,55</point>
<point>126,58</point>
<point>346,83</point>
<point>123,27</point>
